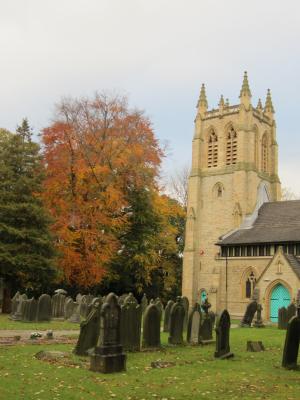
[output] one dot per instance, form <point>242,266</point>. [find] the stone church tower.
<point>234,165</point>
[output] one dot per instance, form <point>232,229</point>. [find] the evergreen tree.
<point>26,246</point>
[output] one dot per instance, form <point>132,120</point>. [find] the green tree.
<point>26,246</point>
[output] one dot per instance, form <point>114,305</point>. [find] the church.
<point>239,234</point>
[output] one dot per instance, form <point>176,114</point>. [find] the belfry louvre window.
<point>212,155</point>
<point>264,154</point>
<point>231,147</point>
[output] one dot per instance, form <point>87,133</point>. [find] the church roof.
<point>277,222</point>
<point>294,263</point>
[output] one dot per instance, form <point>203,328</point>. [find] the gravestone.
<point>58,303</point>
<point>249,314</point>
<point>169,305</point>
<point>291,311</point>
<point>258,323</point>
<point>83,306</point>
<point>60,291</point>
<point>108,355</point>
<point>75,317</point>
<point>14,303</point>
<point>122,298</point>
<point>185,302</point>
<point>222,336</point>
<point>30,310</point>
<point>89,330</point>
<point>282,318</point>
<point>160,306</point>
<point>131,318</point>
<point>177,316</point>
<point>193,327</point>
<point>44,308</point>
<point>151,327</point>
<point>255,346</point>
<point>78,298</point>
<point>19,314</point>
<point>212,317</point>
<point>291,346</point>
<point>206,326</point>
<point>69,308</point>
<point>144,303</point>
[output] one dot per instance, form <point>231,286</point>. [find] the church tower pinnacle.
<point>269,109</point>
<point>202,104</point>
<point>245,93</point>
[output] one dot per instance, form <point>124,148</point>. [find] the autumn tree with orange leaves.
<point>96,152</point>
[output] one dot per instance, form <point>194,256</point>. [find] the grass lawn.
<point>196,375</point>
<point>8,324</point>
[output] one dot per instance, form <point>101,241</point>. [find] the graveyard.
<point>118,347</point>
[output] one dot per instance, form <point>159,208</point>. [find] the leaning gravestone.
<point>44,308</point>
<point>108,355</point>
<point>291,311</point>
<point>177,316</point>
<point>89,330</point>
<point>282,318</point>
<point>249,314</point>
<point>206,326</point>
<point>292,339</point>
<point>58,304</point>
<point>185,302</point>
<point>193,327</point>
<point>144,303</point>
<point>30,310</point>
<point>167,316</point>
<point>151,327</point>
<point>131,317</point>
<point>222,336</point>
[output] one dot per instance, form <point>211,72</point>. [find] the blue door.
<point>280,297</point>
<point>203,296</point>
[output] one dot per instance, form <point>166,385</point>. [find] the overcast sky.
<point>158,52</point>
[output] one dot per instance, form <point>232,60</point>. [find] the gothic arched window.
<point>264,153</point>
<point>231,146</point>
<point>212,150</point>
<point>249,285</point>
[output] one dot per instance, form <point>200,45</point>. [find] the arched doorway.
<point>280,297</point>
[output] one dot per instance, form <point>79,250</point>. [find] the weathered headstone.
<point>75,317</point>
<point>291,311</point>
<point>19,314</point>
<point>83,306</point>
<point>282,318</point>
<point>69,308</point>
<point>44,308</point>
<point>177,316</point>
<point>193,328</point>
<point>151,327</point>
<point>255,346</point>
<point>14,303</point>
<point>108,355</point>
<point>167,316</point>
<point>60,291</point>
<point>122,298</point>
<point>160,306</point>
<point>212,317</point>
<point>89,331</point>
<point>185,302</point>
<point>30,310</point>
<point>58,304</point>
<point>144,303</point>
<point>131,318</point>
<point>258,323</point>
<point>249,314</point>
<point>222,336</point>
<point>292,339</point>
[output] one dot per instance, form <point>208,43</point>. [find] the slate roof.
<point>277,222</point>
<point>294,263</point>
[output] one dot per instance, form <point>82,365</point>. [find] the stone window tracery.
<point>212,151</point>
<point>231,147</point>
<point>249,285</point>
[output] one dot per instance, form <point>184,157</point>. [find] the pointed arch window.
<point>264,153</point>
<point>212,151</point>
<point>231,146</point>
<point>249,285</point>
